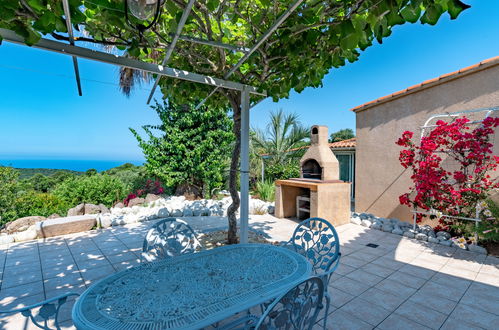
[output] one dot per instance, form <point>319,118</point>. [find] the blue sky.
<point>41,115</point>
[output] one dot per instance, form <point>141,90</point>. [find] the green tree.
<point>280,143</point>
<point>134,177</point>
<point>188,150</point>
<point>61,176</point>
<point>41,204</point>
<point>95,189</point>
<point>316,37</point>
<point>41,183</point>
<point>91,171</point>
<point>342,134</point>
<point>9,190</point>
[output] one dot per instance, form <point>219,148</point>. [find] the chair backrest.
<point>47,315</point>
<point>317,240</point>
<point>169,237</point>
<point>295,310</point>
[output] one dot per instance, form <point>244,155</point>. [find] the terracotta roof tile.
<point>350,143</point>
<point>492,61</point>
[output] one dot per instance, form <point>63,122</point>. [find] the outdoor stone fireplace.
<point>318,192</point>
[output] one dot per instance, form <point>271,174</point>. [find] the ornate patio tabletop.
<point>190,291</point>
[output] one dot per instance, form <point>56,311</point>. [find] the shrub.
<point>42,204</point>
<point>41,183</point>
<point>189,149</point>
<point>266,190</point>
<point>282,171</point>
<point>133,179</point>
<point>95,189</point>
<point>489,230</point>
<point>150,187</point>
<point>459,190</point>
<point>9,189</point>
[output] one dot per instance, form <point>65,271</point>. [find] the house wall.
<point>380,178</point>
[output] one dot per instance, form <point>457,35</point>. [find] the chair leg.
<point>328,300</point>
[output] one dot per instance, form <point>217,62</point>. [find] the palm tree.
<point>279,141</point>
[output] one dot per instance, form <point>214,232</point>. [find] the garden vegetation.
<point>44,195</point>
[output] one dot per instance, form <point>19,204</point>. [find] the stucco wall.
<point>380,178</point>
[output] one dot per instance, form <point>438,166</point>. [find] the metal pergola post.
<point>244,175</point>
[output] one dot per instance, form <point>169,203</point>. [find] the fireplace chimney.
<point>319,162</point>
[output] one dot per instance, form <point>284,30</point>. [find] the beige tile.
<point>483,290</point>
<point>60,271</point>
<point>490,279</point>
<point>367,312</point>
<point>475,317</point>
<point>353,262</point>
<point>395,321</point>
<point>344,269</point>
<point>20,279</point>
<point>407,279</point>
<point>340,320</point>
<point>67,283</point>
<point>365,277</point>
<point>378,270</point>
<point>421,272</point>
<point>384,299</point>
<point>450,280</point>
<point>395,288</point>
<point>364,255</point>
<point>421,314</point>
<point>10,303</point>
<point>487,302</point>
<point>126,264</point>
<point>452,293</point>
<point>118,258</point>
<point>454,324</point>
<point>339,298</point>
<point>93,263</point>
<point>93,274</point>
<point>22,291</point>
<point>469,265</point>
<point>18,270</point>
<point>440,304</point>
<point>350,286</point>
<point>389,262</point>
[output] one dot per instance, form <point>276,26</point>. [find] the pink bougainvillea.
<point>456,187</point>
<point>150,187</point>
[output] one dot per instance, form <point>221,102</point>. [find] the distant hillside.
<point>26,173</point>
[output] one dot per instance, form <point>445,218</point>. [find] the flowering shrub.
<point>150,187</point>
<point>440,190</point>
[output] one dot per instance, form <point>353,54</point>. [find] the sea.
<point>67,164</point>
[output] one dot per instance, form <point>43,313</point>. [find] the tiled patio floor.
<point>401,284</point>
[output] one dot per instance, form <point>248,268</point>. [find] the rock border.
<point>421,233</point>
<point>153,207</point>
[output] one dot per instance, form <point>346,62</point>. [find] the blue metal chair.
<point>317,240</point>
<point>48,309</point>
<point>296,309</point>
<point>168,238</point>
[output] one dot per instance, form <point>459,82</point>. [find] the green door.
<point>347,167</point>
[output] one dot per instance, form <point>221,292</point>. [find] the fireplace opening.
<point>311,170</point>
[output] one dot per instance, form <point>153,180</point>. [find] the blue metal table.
<point>190,291</point>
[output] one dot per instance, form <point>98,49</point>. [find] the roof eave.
<point>429,83</point>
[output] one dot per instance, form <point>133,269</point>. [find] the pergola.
<point>161,70</point>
